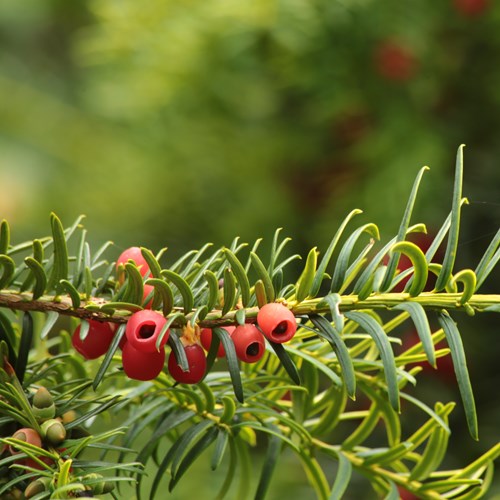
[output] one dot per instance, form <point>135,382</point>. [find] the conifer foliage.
<point>111,366</point>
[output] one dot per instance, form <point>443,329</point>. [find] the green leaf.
<point>451,247</point>
<point>120,332</point>
<point>315,475</point>
<point>468,278</point>
<point>153,264</point>
<point>179,352</point>
<point>263,276</point>
<point>488,261</point>
<point>286,361</point>
<point>183,287</point>
<point>24,346</point>
<point>321,271</point>
<point>230,292</point>
<point>419,318</point>
<point>51,318</point>
<point>4,237</point>
<point>37,256</point>
<point>61,263</point>
<point>336,398</point>
<point>333,300</point>
<point>386,456</point>
<point>240,274</point>
<point>274,446</point>
<point>393,493</point>
<point>461,372</point>
<point>232,362</point>
<point>178,450</point>
<point>69,288</point>
<point>420,271</point>
<point>369,270</point>
<point>305,281</point>
<point>342,478</point>
<point>403,228</point>
<point>338,345</point>
<point>318,364</point>
<point>384,347</point>
<point>345,254</point>
<point>9,336</point>
<point>432,456</point>
<point>276,250</point>
<point>220,448</point>
<point>38,272</point>
<point>229,410</point>
<point>165,294</point>
<point>8,270</point>
<point>134,291</point>
<point>260,293</point>
<point>213,289</point>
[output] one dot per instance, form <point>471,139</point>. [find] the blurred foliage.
<point>177,122</point>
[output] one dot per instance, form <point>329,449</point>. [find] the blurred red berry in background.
<point>394,61</point>
<point>471,8</point>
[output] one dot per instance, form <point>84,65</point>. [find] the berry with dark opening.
<point>277,322</point>
<point>143,330</point>
<point>249,343</point>
<point>140,365</point>
<point>132,253</point>
<point>27,435</point>
<point>97,341</point>
<point>197,363</point>
<point>206,339</point>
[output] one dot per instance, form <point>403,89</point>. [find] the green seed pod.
<point>53,431</point>
<point>38,486</point>
<point>97,488</point>
<point>43,405</point>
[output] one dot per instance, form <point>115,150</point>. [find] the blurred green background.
<point>172,123</point>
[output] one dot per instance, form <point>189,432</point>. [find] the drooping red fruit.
<point>132,253</point>
<point>144,328</point>
<point>277,322</point>
<point>197,363</point>
<point>394,61</point>
<point>249,343</point>
<point>97,341</point>
<point>140,365</point>
<point>206,339</point>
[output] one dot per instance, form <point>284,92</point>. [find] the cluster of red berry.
<point>143,345</point>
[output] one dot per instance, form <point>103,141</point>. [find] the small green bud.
<point>53,431</point>
<point>43,405</point>
<point>38,486</point>
<point>42,398</point>
<point>108,487</point>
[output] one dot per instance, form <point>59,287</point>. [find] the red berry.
<point>144,328</point>
<point>277,322</point>
<point>395,62</point>
<point>197,365</point>
<point>471,8</point>
<point>140,365</point>
<point>97,341</point>
<point>206,339</point>
<point>132,253</point>
<point>248,343</point>
<point>27,435</point>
